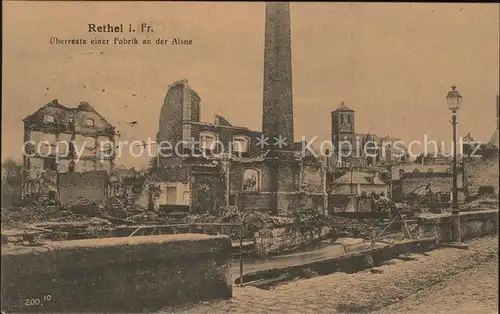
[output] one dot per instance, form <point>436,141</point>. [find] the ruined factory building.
<point>69,153</point>
<point>246,176</point>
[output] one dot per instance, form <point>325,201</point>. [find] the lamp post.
<point>454,100</point>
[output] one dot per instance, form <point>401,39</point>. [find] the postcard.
<point>250,157</point>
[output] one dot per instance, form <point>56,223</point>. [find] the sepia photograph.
<point>250,157</point>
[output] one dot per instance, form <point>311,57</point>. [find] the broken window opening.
<point>49,118</point>
<point>50,164</point>
<point>251,180</point>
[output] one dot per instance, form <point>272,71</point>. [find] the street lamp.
<point>454,100</point>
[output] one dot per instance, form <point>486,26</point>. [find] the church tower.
<point>343,133</point>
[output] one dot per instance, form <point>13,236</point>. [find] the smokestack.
<point>277,120</point>
<point>498,111</point>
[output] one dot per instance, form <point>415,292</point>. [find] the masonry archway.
<point>208,195</point>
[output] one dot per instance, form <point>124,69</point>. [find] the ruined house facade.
<point>61,140</point>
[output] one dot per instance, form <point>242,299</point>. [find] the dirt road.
<point>473,291</point>
<point>395,283</point>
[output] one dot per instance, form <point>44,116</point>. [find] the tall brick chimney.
<point>494,140</point>
<point>277,112</point>
<point>498,112</point>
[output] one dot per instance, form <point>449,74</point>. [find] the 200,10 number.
<point>37,301</point>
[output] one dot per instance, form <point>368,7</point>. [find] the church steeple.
<point>343,128</point>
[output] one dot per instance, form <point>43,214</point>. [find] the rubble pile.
<point>145,217</point>
<point>29,214</point>
<point>305,221</point>
<point>50,223</point>
<point>385,204</point>
<point>88,220</point>
<point>100,230</point>
<point>199,219</point>
<point>253,222</point>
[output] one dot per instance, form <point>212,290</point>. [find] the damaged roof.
<point>220,120</point>
<point>62,115</point>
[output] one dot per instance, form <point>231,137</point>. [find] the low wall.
<point>132,274</point>
<point>472,224</point>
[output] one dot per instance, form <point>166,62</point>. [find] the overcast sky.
<point>392,63</point>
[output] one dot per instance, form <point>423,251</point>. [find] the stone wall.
<point>472,224</point>
<point>250,201</point>
<point>76,186</point>
<point>170,122</point>
<point>132,274</point>
<point>360,188</point>
<point>312,202</point>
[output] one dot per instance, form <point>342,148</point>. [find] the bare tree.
<point>11,182</point>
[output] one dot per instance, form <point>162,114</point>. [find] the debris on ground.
<point>406,257</point>
<point>375,271</point>
<point>90,220</point>
<point>24,214</point>
<point>145,217</point>
<point>309,273</point>
<point>198,219</point>
<point>305,221</point>
<point>385,204</point>
<point>37,222</point>
<point>253,222</point>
